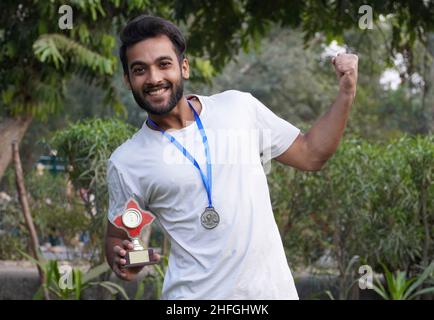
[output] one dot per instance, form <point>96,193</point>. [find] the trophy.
<point>132,221</point>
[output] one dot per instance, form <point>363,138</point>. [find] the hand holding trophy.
<point>132,221</point>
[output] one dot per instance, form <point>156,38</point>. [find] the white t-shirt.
<point>243,257</point>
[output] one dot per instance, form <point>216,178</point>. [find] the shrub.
<point>370,200</point>
<point>87,145</point>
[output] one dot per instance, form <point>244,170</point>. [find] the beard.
<point>177,91</point>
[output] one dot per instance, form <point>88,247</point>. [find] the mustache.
<point>164,85</point>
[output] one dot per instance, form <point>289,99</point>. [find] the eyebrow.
<point>140,62</point>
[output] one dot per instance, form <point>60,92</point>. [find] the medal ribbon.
<point>207,180</point>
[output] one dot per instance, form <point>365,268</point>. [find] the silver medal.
<point>210,218</point>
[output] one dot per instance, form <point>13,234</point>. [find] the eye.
<point>138,70</point>
<point>165,64</point>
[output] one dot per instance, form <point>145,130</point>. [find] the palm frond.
<point>60,50</point>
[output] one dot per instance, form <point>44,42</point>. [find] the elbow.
<point>313,168</point>
<point>315,165</point>
<point>318,159</point>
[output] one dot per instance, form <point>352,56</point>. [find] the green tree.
<point>86,146</point>
<point>37,58</point>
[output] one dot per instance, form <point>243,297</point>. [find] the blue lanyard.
<point>207,180</point>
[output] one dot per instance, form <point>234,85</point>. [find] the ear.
<point>185,69</point>
<point>127,81</point>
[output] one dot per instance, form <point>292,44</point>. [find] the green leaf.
<point>78,283</point>
<point>420,279</point>
<point>39,295</point>
<point>329,294</point>
<point>40,263</point>
<point>96,272</point>
<point>59,49</point>
<point>140,291</point>
<point>114,288</point>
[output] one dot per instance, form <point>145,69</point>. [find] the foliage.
<point>155,279</point>
<point>276,73</point>
<point>299,83</point>
<point>47,51</point>
<point>216,31</point>
<point>54,207</point>
<point>58,285</point>
<point>30,38</point>
<point>364,189</point>
<point>87,145</point>
<point>367,202</point>
<point>10,244</point>
<point>241,24</point>
<point>332,17</point>
<point>12,228</point>
<point>399,287</point>
<point>347,281</point>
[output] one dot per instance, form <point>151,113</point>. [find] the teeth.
<point>156,92</point>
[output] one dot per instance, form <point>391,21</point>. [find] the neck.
<point>180,116</point>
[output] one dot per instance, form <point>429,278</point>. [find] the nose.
<point>154,77</point>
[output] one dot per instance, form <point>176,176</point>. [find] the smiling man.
<point>197,165</point>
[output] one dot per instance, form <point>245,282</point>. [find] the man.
<point>197,165</point>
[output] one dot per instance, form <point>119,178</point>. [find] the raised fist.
<point>346,70</point>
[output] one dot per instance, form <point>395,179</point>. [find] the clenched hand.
<point>346,70</point>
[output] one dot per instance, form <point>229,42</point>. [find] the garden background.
<point>372,206</point>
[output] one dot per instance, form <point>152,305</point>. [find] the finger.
<point>346,62</point>
<point>350,73</point>
<point>348,65</point>
<point>120,261</point>
<point>127,245</point>
<point>338,73</point>
<point>155,257</point>
<point>353,56</point>
<point>119,272</point>
<point>118,250</point>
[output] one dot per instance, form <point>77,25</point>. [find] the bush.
<point>370,200</point>
<point>55,211</point>
<point>87,146</point>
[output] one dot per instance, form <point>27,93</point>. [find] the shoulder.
<point>233,95</point>
<point>122,154</point>
<point>232,101</point>
<point>226,97</point>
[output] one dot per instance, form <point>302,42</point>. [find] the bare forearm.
<point>310,151</point>
<point>324,136</point>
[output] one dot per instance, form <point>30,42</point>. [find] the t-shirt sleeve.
<point>275,134</point>
<point>118,191</point>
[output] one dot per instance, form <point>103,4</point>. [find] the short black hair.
<point>144,27</point>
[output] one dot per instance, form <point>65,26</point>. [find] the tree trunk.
<point>22,194</point>
<point>11,129</point>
